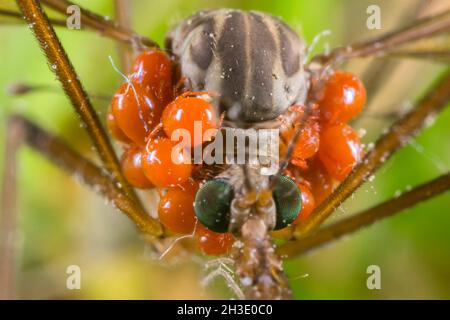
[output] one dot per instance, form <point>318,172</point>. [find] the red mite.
<point>145,113</point>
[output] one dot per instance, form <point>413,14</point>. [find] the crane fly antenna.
<point>314,43</point>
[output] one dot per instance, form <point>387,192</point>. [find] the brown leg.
<point>17,18</point>
<point>66,74</point>
<point>367,217</point>
<point>100,24</point>
<point>122,15</point>
<point>22,131</point>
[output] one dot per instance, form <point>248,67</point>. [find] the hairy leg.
<point>14,138</point>
<point>366,218</point>
<point>69,160</point>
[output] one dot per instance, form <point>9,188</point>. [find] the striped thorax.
<point>253,61</point>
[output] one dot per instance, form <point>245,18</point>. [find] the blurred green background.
<point>63,223</point>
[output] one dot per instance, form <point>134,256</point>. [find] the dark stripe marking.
<point>289,56</point>
<point>231,48</point>
<point>263,54</point>
<point>202,51</point>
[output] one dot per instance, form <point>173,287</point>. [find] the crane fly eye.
<point>212,205</point>
<point>288,200</point>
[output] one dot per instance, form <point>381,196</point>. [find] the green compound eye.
<point>212,205</point>
<point>288,200</point>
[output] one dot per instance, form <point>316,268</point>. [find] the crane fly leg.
<point>366,218</point>
<point>405,41</point>
<point>21,131</point>
<point>102,25</point>
<point>69,160</point>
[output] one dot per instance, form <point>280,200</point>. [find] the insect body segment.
<point>253,60</point>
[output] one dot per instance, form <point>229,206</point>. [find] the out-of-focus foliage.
<point>62,223</point>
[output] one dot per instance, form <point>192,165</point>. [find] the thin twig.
<point>69,160</point>
<point>22,88</point>
<point>398,135</point>
<point>417,30</point>
<point>379,70</point>
<point>102,25</point>
<point>72,86</point>
<point>19,18</point>
<point>365,218</point>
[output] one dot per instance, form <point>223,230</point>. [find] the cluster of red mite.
<point>147,109</point>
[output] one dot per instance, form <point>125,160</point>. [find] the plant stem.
<point>417,30</point>
<point>18,16</point>
<point>102,25</point>
<point>9,214</point>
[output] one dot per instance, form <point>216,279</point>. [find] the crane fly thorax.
<point>253,60</point>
